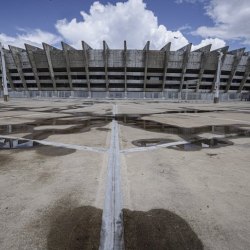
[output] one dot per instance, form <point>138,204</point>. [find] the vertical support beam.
<point>146,50</point>
<point>47,48</point>
<point>16,57</point>
<point>166,50</point>
<point>105,59</point>
<point>237,58</point>
<point>217,82</point>
<point>5,51</point>
<point>2,61</point>
<point>86,49</point>
<point>247,72</point>
<point>4,76</point>
<point>30,49</point>
<point>125,67</point>
<point>65,48</point>
<point>204,57</point>
<point>186,54</point>
<point>224,51</point>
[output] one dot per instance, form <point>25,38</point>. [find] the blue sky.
<point>194,20</point>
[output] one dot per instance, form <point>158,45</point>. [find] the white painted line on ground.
<point>142,149</point>
<point>112,219</point>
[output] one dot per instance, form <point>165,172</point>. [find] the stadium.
<point>126,73</point>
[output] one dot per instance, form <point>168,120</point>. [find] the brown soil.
<point>77,228</point>
<point>4,161</point>
<point>103,129</point>
<point>158,229</point>
<point>54,151</point>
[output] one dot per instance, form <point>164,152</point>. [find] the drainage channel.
<point>112,218</point>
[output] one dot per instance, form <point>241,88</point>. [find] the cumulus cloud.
<point>188,1</point>
<point>231,20</point>
<point>33,37</point>
<point>216,43</point>
<point>129,21</point>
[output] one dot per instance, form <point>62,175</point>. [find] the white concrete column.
<point>237,58</point>
<point>217,82</point>
<point>4,77</point>
<point>247,72</point>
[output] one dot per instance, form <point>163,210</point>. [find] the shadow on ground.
<point>158,229</point>
<point>77,228</point>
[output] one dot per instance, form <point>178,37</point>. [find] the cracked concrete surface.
<point>52,198</point>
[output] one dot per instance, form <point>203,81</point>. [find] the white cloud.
<point>33,37</point>
<point>188,1</point>
<point>129,21</point>
<point>231,20</point>
<point>216,43</point>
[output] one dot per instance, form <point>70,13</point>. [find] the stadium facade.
<point>119,73</point>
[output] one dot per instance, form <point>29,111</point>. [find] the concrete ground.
<point>52,197</point>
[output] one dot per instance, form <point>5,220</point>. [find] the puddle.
<point>15,143</point>
<point>7,143</point>
<point>203,143</point>
<point>78,126</point>
<point>158,229</point>
<point>84,121</point>
<point>151,142</point>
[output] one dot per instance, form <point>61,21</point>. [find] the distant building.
<point>123,72</point>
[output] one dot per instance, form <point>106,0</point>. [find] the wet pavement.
<point>84,122</point>
<point>169,202</point>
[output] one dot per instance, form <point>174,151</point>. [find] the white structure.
<point>125,73</point>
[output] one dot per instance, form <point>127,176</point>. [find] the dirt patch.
<point>54,151</point>
<point>4,161</point>
<point>158,229</point>
<point>103,129</point>
<point>43,178</point>
<point>77,228</point>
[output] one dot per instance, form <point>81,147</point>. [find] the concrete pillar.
<point>247,72</point>
<point>4,76</point>
<point>237,58</point>
<point>204,57</point>
<point>86,49</point>
<point>217,82</point>
<point>146,51</point>
<point>166,50</point>
<point>215,52</point>
<point>105,59</point>
<point>47,48</point>
<point>16,57</point>
<point>125,67</point>
<point>186,52</point>
<point>30,49</point>
<point>66,48</point>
